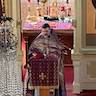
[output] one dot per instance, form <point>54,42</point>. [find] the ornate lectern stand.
<point>44,73</point>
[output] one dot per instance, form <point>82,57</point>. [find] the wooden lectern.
<point>44,73</point>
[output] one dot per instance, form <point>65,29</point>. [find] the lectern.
<point>44,73</point>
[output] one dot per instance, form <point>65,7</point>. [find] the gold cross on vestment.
<point>42,76</point>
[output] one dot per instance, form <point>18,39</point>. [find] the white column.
<point>16,9</point>
<point>76,55</point>
<point>76,83</point>
<point>8,7</point>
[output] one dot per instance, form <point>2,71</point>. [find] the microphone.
<point>50,33</point>
<point>48,36</point>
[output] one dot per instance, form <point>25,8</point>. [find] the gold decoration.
<point>42,76</point>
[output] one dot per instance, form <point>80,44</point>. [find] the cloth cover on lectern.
<point>44,72</point>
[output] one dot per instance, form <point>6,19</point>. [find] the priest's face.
<point>45,30</point>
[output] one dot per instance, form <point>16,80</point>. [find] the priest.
<point>46,42</point>
<point>47,45</point>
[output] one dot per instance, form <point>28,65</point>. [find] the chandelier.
<point>8,40</point>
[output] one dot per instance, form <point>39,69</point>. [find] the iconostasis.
<point>33,11</point>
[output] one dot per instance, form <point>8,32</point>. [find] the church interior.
<point>74,22</point>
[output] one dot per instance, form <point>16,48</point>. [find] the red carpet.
<point>69,80</point>
<point>88,93</point>
<point>69,75</point>
<point>68,72</point>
